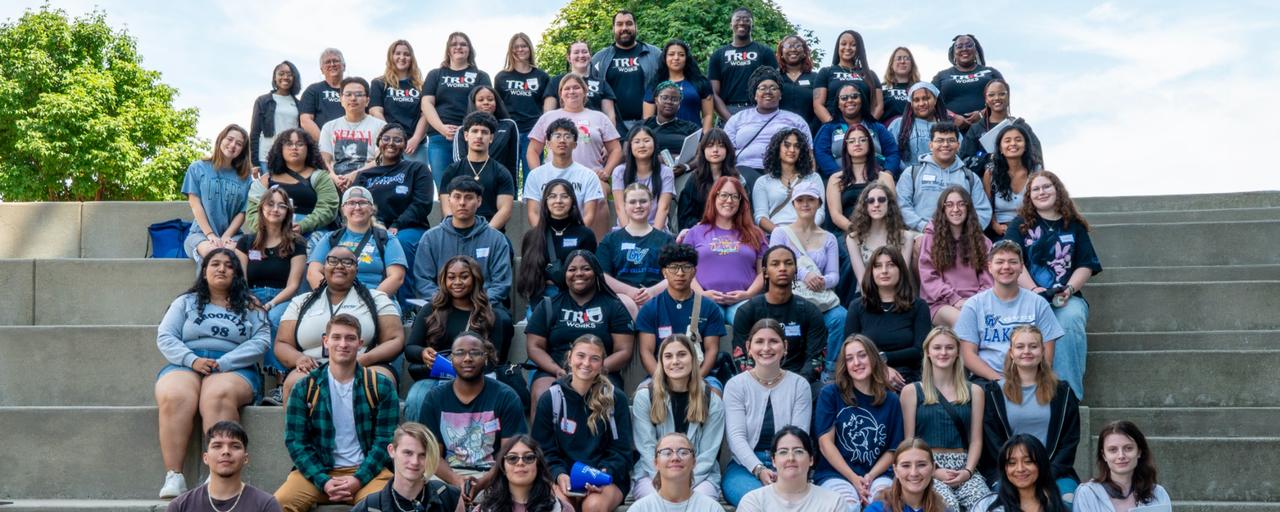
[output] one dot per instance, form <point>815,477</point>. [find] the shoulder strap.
<point>296,176</point>
<point>371,388</point>
<point>784,202</point>
<point>955,417</point>
<point>557,404</point>
<point>694,317</point>
<point>801,252</point>
<point>762,127</point>
<point>313,395</point>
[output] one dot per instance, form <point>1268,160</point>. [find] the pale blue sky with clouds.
<point>1128,98</point>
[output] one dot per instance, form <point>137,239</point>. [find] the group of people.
<point>904,303</point>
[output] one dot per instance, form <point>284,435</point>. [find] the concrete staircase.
<point>1184,342</point>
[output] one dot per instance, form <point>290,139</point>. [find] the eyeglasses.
<point>946,142</point>
<point>731,196</point>
<point>513,459</point>
<point>902,58</point>
<point>464,354</point>
<point>679,453</point>
<point>680,268</point>
<point>562,136</point>
<point>355,203</point>
<point>768,88</point>
<point>850,97</point>
<point>278,205</point>
<point>1042,188</point>
<point>877,199</point>
<point>334,261</point>
<point>793,46</point>
<point>783,453</point>
<point>954,204</point>
<point>332,62</point>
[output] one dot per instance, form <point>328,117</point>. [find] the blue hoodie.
<point>921,184</point>
<point>827,145</point>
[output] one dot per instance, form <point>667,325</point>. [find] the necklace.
<point>769,382</point>
<point>558,232</point>
<point>474,172</point>
<point>414,504</point>
<point>233,504</point>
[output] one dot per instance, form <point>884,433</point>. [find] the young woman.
<point>583,418</point>
<point>274,258</point>
<point>789,488</point>
<point>382,263</point>
<point>859,166</point>
<point>522,482</point>
<point>752,130</point>
<point>795,63</point>
<point>876,222</point>
<point>945,410</point>
<point>890,314</point>
<point>444,98</point>
<point>963,83</point>
<point>293,164</point>
<point>1005,178</point>
<point>729,247</point>
<point>858,420</point>
<point>898,77</point>
<point>629,256</point>
<point>1031,400</point>
<point>299,341</point>
<point>459,305</point>
<point>275,111</point>
<point>760,404</point>
<point>599,96</point>
<point>912,129</point>
<point>1026,479</point>
<point>505,145</point>
<point>396,97</point>
<point>715,158</point>
<point>1126,473</point>
<point>787,163</point>
<point>642,166</point>
<point>677,401</point>
<point>213,340</point>
<point>953,257</point>
<point>913,472</point>
<point>675,459</point>
<point>217,189</point>
<point>1060,260</point>
<point>818,263</point>
<point>848,67</point>
<point>829,145</point>
<point>403,191</point>
<point>522,87</point>
<point>546,247</point>
<point>996,95</point>
<point>680,67</point>
<point>586,305</point>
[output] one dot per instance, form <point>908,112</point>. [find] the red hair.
<point>742,221</point>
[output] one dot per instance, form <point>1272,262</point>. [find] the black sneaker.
<point>274,397</point>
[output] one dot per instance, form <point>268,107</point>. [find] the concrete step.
<point>1192,378</point>
<point>1208,306</point>
<point>1163,216</point>
<point>86,291</point>
<point>1199,273</point>
<point>114,506</point>
<point>1258,199</point>
<point>78,365</point>
<point>108,229</point>
<point>1188,340</point>
<point>1192,421</point>
<point>1210,469</point>
<point>1225,506</point>
<point>1187,243</point>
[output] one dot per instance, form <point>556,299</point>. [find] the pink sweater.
<point>958,282</point>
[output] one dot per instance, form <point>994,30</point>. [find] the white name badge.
<point>791,330</point>
<point>568,426</point>
<point>570,242</point>
<point>492,426</point>
<point>402,189</point>
<point>663,332</point>
<point>255,255</point>
<point>627,246</point>
<point>928,178</point>
<point>1067,238</point>
<point>482,252</point>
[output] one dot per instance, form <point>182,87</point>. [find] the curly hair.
<point>1064,205</point>
<point>497,497</point>
<point>773,154</point>
<point>762,74</point>
<point>275,156</point>
<point>894,224</point>
<point>481,321</point>
<point>288,237</point>
<point>969,247</point>
<point>879,379</point>
<point>806,64</point>
<point>238,294</point>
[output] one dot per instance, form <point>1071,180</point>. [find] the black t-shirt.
<point>403,193</point>
<point>267,269</point>
<point>766,428</point>
<point>401,104</point>
<point>494,178</point>
<point>680,409</point>
<point>797,98</point>
<point>456,321</point>
<point>522,93</point>
<point>898,334</point>
<point>470,434</point>
<point>451,89</point>
<point>670,135</point>
<point>602,316</point>
<point>833,78</point>
<point>322,101</point>
<point>632,259</point>
<point>627,80</point>
<point>896,101</point>
<point>597,92</point>
<point>961,91</point>
<point>571,238</point>
<point>302,194</point>
<point>732,66</point>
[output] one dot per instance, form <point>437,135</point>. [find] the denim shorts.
<point>250,374</point>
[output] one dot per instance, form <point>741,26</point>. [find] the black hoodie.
<point>1063,438</point>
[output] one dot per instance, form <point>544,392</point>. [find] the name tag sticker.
<point>791,330</point>
<point>492,426</point>
<point>568,426</point>
<point>402,189</point>
<point>627,246</point>
<point>928,178</point>
<point>664,331</point>
<point>570,242</point>
<point>482,252</point>
<point>1067,238</point>
<point>804,83</point>
<point>255,255</point>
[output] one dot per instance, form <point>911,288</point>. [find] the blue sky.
<point>1128,98</point>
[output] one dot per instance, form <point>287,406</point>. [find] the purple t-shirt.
<point>666,175</point>
<point>594,130</point>
<point>725,263</point>
<point>750,132</point>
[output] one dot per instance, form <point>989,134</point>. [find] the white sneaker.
<point>174,485</point>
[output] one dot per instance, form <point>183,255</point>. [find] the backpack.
<point>165,238</point>
<point>370,391</point>
<point>380,237</point>
<point>558,405</point>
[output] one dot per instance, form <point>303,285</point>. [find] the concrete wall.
<point>109,229</point>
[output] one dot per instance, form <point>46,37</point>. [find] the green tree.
<point>81,119</point>
<point>703,24</point>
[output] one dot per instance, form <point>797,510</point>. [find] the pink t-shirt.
<point>594,130</point>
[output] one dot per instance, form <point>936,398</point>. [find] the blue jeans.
<point>417,396</point>
<point>440,155</point>
<point>1070,350</point>
<point>523,172</point>
<point>834,319</point>
<point>420,155</point>
<point>731,312</point>
<point>738,481</point>
<point>265,294</point>
<point>409,238</point>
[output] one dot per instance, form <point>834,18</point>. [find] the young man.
<point>805,332</point>
<point>226,453</point>
<point>562,137</point>
<point>321,102</point>
<point>413,452</point>
<point>987,319</point>
<point>337,421</point>
<point>499,188</point>
<point>463,232</point>
<point>627,66</point>
<point>730,66</point>
<point>347,143</point>
<point>671,312</point>
<point>472,416</point>
<point>922,182</point>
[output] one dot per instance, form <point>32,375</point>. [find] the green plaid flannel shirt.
<point>309,435</point>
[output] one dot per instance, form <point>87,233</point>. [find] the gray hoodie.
<point>922,183</point>
<point>487,245</point>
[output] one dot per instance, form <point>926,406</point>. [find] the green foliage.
<point>81,119</point>
<point>703,24</point>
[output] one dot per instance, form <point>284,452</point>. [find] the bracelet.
<point>969,470</point>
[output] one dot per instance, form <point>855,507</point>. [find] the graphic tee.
<point>401,103</point>
<point>351,144</point>
<point>371,263</point>
<point>961,91</point>
<point>597,92</point>
<point>322,101</point>
<point>602,316</point>
<point>833,78</point>
<point>863,431</point>
<point>733,66</point>
<point>987,321</point>
<point>451,89</point>
<point>633,259</point>
<point>471,433</point>
<point>627,80</point>
<point>522,93</point>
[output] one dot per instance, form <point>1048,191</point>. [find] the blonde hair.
<point>657,476</point>
<point>957,378</point>
<point>893,495</point>
<point>511,51</point>
<point>1046,380</point>
<point>419,432</point>
<point>699,402</point>
<point>600,397</point>
<point>391,77</point>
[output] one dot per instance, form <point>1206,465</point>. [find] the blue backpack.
<point>166,238</point>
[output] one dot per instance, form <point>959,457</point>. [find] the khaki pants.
<point>297,494</point>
